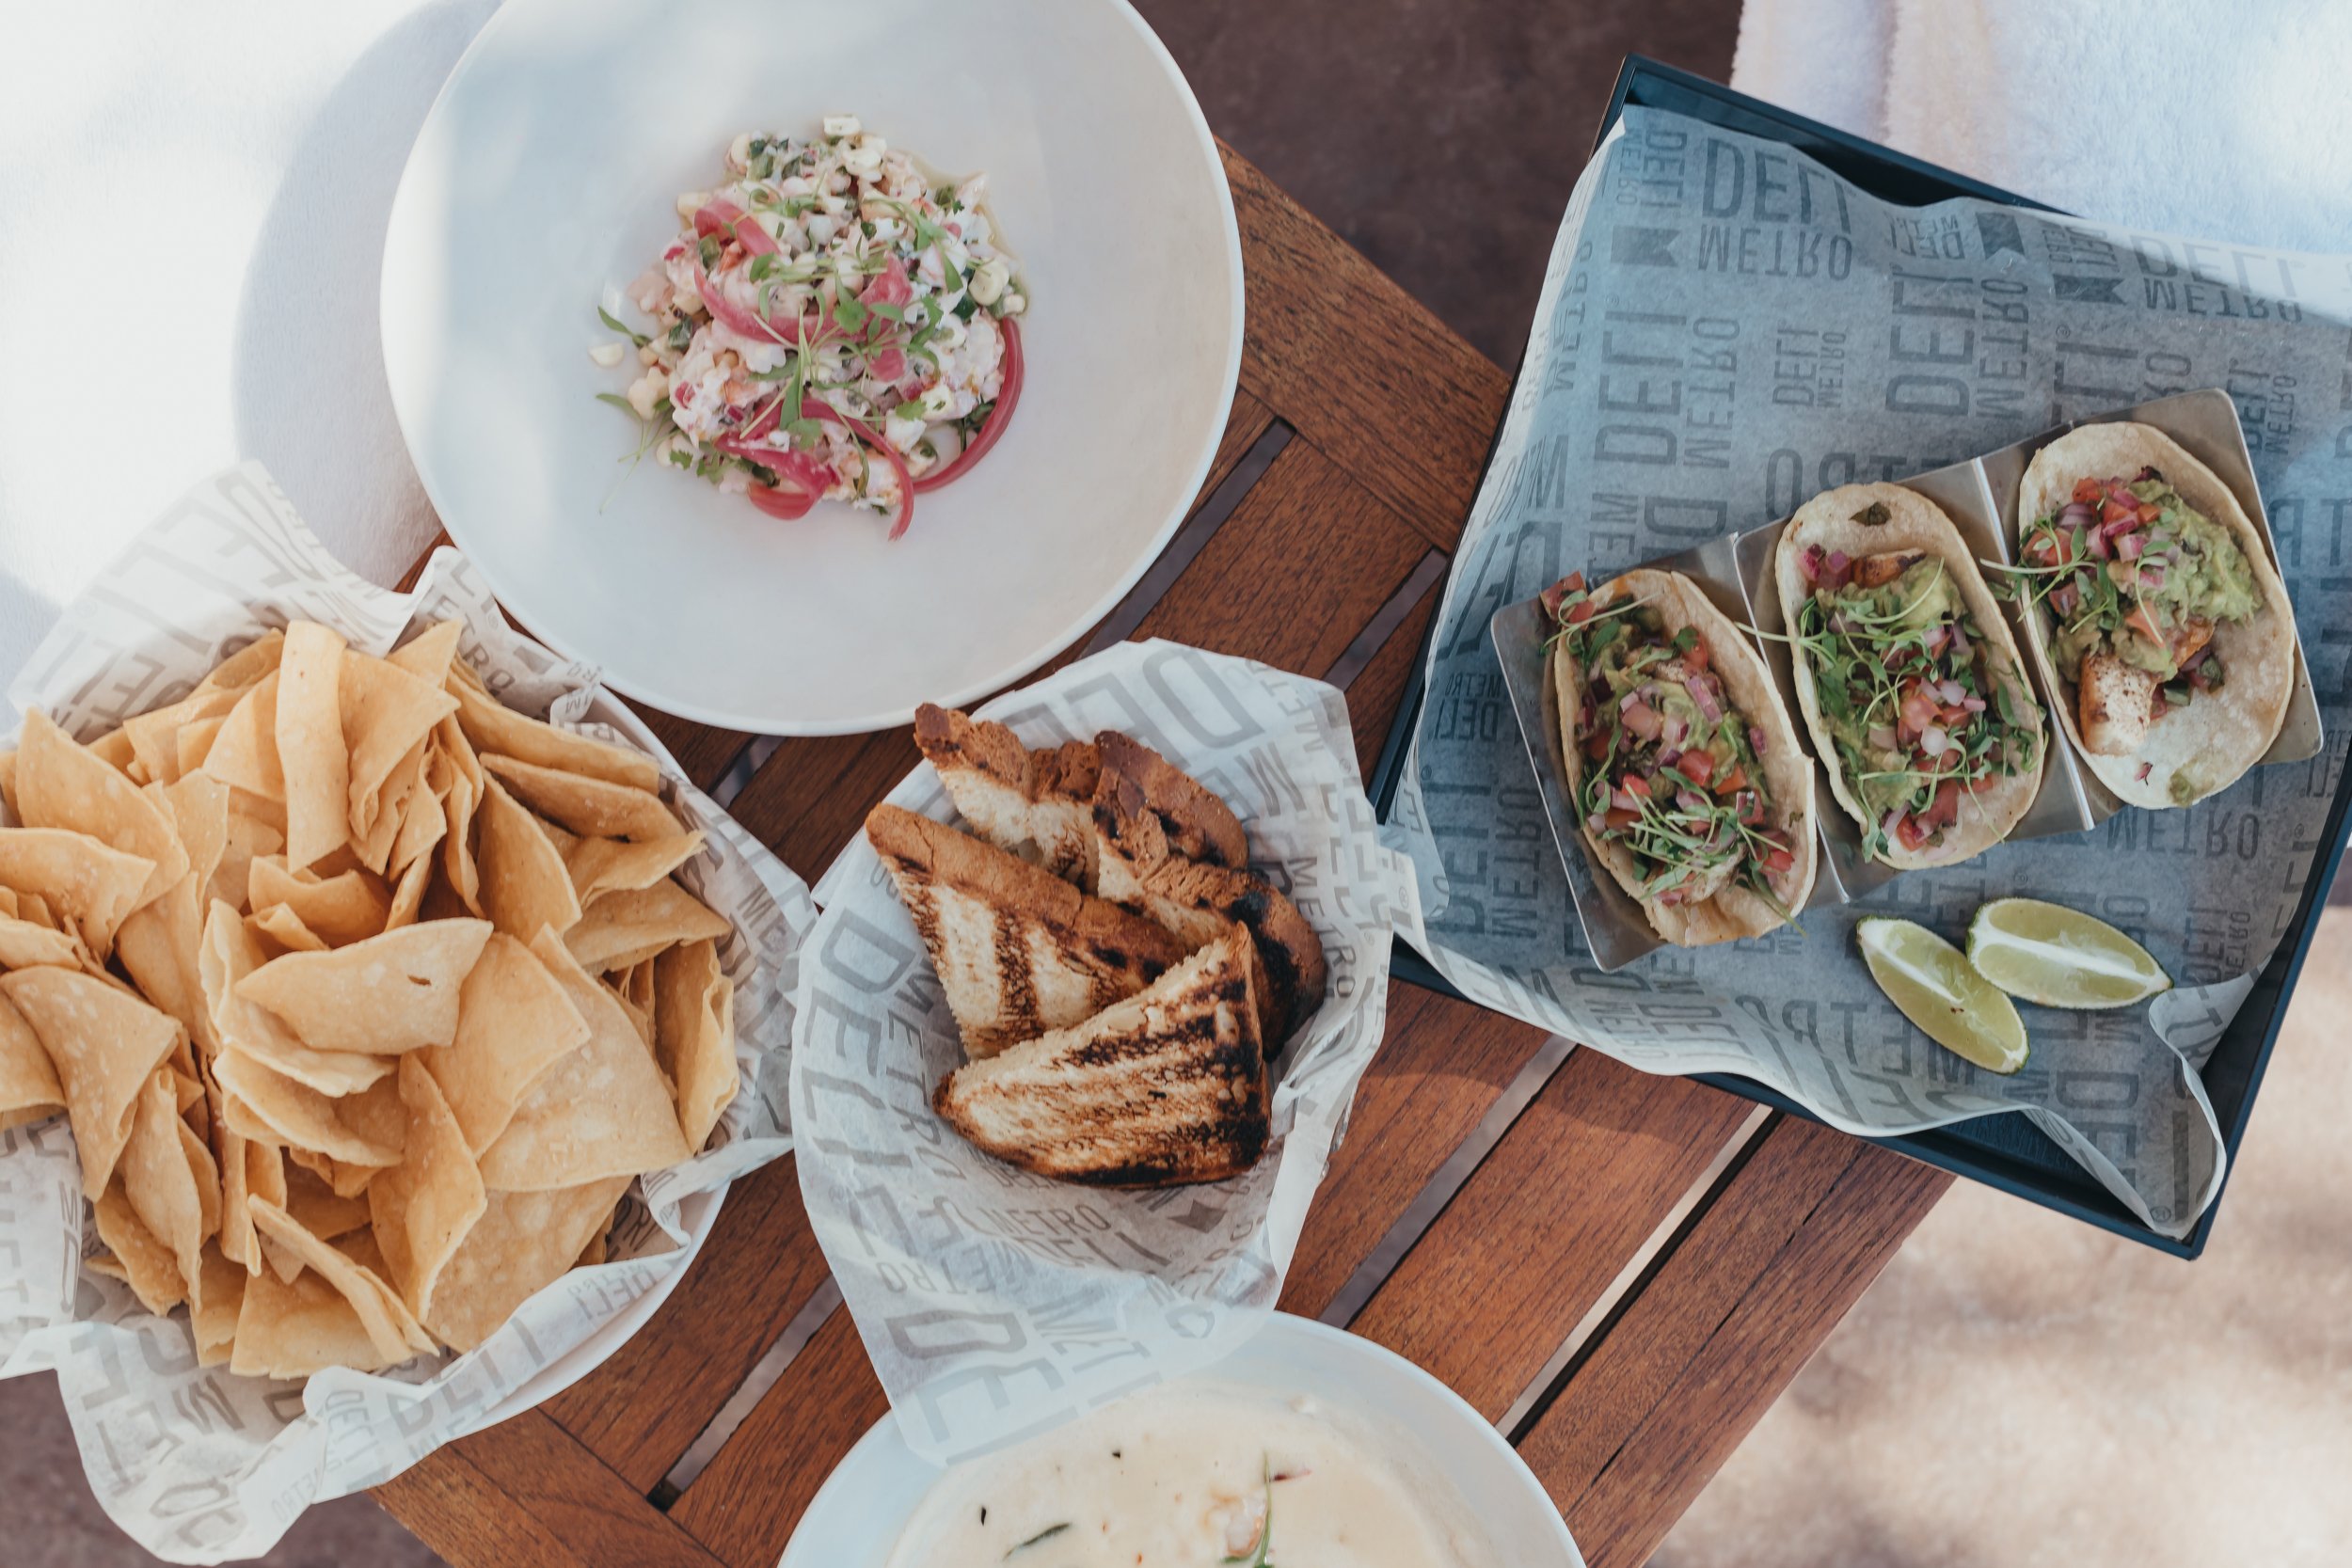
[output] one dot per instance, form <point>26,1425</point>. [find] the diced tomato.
<point>1551,597</point>
<point>1919,710</point>
<point>2088,491</point>
<point>2149,514</point>
<point>1909,829</point>
<point>1615,818</point>
<point>1733,782</point>
<point>1635,785</point>
<point>1780,859</point>
<point>2143,620</point>
<point>1697,766</point>
<point>1596,744</point>
<point>1696,659</point>
<point>2115,512</point>
<point>1580,612</point>
<point>1945,809</point>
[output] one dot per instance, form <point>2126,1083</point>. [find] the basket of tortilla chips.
<point>382,1017</point>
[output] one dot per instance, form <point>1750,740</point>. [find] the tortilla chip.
<point>392,1328</point>
<point>27,1081</point>
<point>292,1329</point>
<point>640,1018</point>
<point>389,993</point>
<point>463,876</point>
<point>73,874</point>
<point>424,1207</point>
<point>592,807</point>
<point>263,1105</point>
<point>229,953</point>
<point>408,897</point>
<point>341,1179</point>
<point>281,931</point>
<point>213,1318</point>
<point>146,1264</point>
<point>340,910</point>
<point>373,849</point>
<point>601,1110</point>
<point>493,727</point>
<point>594,1253</point>
<point>601,865</point>
<point>310,747</point>
<point>60,784</point>
<point>629,926</point>
<point>154,735</point>
<point>421,824</point>
<point>159,943</point>
<point>192,743</point>
<point>426,656</point>
<point>514,1023</point>
<point>103,1042</point>
<point>694,1035</point>
<point>522,1242</point>
<point>24,944</point>
<point>318,1208</point>
<point>156,1179</point>
<point>386,713</point>
<point>524,885</point>
<point>249,838</point>
<point>244,754</point>
<point>248,665</point>
<point>207,1173</point>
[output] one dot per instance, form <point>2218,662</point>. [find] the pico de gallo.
<point>1670,768</point>
<point>1921,705</point>
<point>831,323</point>
<point>2136,580</point>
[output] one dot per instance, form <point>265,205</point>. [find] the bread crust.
<point>1018,950</point>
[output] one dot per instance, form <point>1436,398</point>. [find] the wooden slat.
<point>1552,1215</point>
<point>523,1492</point>
<point>744,1506</point>
<point>1300,566</point>
<point>1352,363</point>
<point>1441,1063</point>
<point>638,1412</point>
<point>1762,1277</point>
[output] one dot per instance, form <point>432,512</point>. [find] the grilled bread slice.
<point>1035,805</point>
<point>1137,866</point>
<point>1018,950</point>
<point>1040,806</point>
<point>1194,822</point>
<point>1168,1086</point>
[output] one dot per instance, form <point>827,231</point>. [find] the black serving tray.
<point>2003,1150</point>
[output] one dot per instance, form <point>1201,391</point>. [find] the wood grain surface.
<point>1383,419</point>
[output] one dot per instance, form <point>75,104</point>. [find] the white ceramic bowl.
<point>545,177</point>
<point>854,1519</point>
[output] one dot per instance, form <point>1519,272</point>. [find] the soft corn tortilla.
<point>1735,911</point>
<point>1832,521</point>
<point>2193,751</point>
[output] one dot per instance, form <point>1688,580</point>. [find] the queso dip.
<point>1191,1475</point>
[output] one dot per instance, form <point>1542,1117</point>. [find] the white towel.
<point>2224,120</point>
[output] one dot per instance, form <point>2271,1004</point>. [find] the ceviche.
<point>833,323</point>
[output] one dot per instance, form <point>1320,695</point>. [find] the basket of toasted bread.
<point>1120,977</point>
<point>1080,1023</point>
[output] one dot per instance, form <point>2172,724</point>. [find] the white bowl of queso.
<point>1340,1451</point>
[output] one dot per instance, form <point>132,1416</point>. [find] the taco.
<point>2154,613</point>
<point>1683,768</point>
<point>1912,687</point>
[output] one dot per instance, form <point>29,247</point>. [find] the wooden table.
<point>1621,1271</point>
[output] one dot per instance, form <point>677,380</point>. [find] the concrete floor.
<point>2016,1390</point>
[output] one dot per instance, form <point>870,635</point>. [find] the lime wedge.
<point>1954,1006</point>
<point>2060,958</point>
